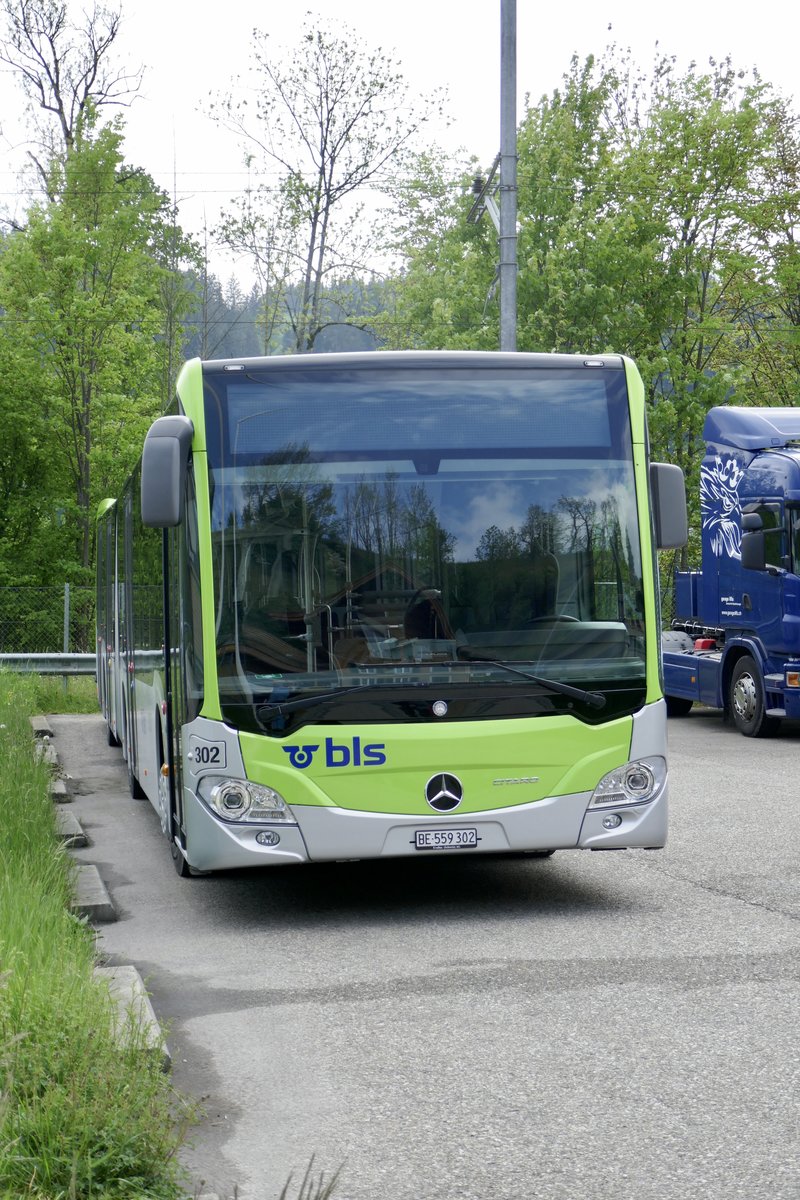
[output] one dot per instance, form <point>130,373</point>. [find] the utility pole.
<point>504,218</point>
<point>508,174</point>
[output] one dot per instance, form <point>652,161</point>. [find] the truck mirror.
<point>669,505</point>
<point>751,521</point>
<point>753,552</point>
<point>164,463</point>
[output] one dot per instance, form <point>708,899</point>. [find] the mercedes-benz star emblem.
<point>444,792</point>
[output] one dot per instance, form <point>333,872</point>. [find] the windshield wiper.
<point>278,707</point>
<point>593,699</point>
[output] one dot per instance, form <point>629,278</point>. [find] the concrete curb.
<point>59,792</point>
<point>69,828</point>
<point>132,1003</point>
<point>91,897</point>
<point>44,751</point>
<point>126,988</point>
<point>41,727</point>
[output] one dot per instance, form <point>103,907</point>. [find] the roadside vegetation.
<point>82,1112</point>
<point>49,694</point>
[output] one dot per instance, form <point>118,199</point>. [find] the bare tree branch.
<point>331,117</point>
<point>66,70</point>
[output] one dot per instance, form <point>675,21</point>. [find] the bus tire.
<point>746,700</point>
<point>182,868</point>
<point>134,787</point>
<point>678,706</point>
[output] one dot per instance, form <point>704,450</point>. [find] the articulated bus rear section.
<point>394,604</point>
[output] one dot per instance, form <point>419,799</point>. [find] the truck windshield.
<point>415,529</point>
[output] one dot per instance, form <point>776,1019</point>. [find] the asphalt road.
<point>588,1027</point>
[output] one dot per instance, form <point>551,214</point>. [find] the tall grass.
<point>50,694</point>
<point>82,1113</point>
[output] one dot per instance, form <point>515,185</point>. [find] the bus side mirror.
<point>164,464</point>
<point>669,506</point>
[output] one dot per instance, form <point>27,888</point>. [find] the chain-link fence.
<point>53,620</point>
<point>47,620</point>
<point>668,563</point>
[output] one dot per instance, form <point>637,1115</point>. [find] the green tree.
<point>442,296</point>
<point>81,288</point>
<point>703,146</point>
<point>769,297</point>
<point>657,218</point>
<point>499,543</point>
<point>29,532</point>
<point>447,295</point>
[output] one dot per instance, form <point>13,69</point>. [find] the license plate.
<point>444,839</point>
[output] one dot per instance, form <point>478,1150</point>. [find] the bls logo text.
<point>339,754</point>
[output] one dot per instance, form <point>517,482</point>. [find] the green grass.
<point>82,1114</point>
<point>312,1187</point>
<point>49,694</point>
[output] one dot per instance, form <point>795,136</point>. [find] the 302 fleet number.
<point>206,754</point>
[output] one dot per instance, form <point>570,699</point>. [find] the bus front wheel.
<point>179,862</point>
<point>181,865</point>
<point>134,787</point>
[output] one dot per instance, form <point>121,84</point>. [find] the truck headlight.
<point>634,783</point>
<point>241,800</point>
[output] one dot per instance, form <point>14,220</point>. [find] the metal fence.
<point>60,620</point>
<point>47,620</point>
<point>668,564</point>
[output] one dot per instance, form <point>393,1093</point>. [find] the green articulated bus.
<point>358,606</point>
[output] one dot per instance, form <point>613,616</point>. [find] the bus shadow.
<point>410,891</point>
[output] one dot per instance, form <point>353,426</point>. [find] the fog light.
<point>268,838</point>
<point>612,821</point>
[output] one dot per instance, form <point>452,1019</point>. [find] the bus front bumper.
<point>329,834</point>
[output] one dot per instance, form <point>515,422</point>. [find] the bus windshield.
<point>382,536</point>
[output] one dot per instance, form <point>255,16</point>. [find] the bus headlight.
<point>635,783</point>
<point>241,800</point>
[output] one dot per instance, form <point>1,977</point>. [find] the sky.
<point>191,53</point>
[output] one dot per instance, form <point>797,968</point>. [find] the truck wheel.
<point>746,700</point>
<point>678,706</point>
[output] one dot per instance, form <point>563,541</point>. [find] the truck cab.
<point>735,640</point>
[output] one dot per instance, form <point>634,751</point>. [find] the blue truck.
<point>735,639</point>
